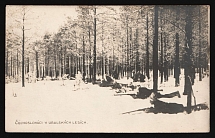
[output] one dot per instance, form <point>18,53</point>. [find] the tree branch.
<point>172,24</point>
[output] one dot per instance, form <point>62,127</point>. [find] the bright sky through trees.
<point>42,19</point>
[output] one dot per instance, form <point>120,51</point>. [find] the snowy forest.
<point>159,41</point>
<point>101,43</point>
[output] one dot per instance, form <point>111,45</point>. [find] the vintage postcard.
<point>102,68</point>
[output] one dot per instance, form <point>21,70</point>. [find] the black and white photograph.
<point>107,68</point>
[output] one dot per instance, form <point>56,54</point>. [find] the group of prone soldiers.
<point>138,91</point>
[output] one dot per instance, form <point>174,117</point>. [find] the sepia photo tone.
<point>99,68</point>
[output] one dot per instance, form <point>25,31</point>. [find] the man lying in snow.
<point>143,92</point>
<point>107,81</point>
<point>164,107</point>
<point>139,77</point>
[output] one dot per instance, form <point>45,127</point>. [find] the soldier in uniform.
<point>78,81</point>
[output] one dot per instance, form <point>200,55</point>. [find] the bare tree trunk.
<point>79,62</point>
<point>122,61</point>
<point>206,62</point>
<point>94,49</point>
<point>137,65</point>
<point>23,56</point>
<point>200,52</point>
<point>147,47</point>
<point>90,58</point>
<point>28,66</point>
<point>103,66</point>
<point>166,61</point>
<point>161,48</point>
<point>177,67</point>
<point>37,70</point>
<point>40,71</point>
<point>127,64</point>
<point>11,64</point>
<point>84,70</point>
<point>113,59</point>
<point>130,52</point>
<point>106,65</point>
<point>44,68</point>
<point>161,66</point>
<point>63,62</point>
<point>77,55</point>
<point>45,64</point>
<point>48,64</point>
<point>70,59</point>
<point>103,58</point>
<point>55,64</point>
<point>73,64</point>
<point>60,64</point>
<point>6,70</point>
<point>155,51</point>
<point>188,62</point>
<point>17,64</point>
<point>14,68</point>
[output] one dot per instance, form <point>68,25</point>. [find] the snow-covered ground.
<point>96,109</point>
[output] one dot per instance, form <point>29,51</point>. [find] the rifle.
<point>144,92</point>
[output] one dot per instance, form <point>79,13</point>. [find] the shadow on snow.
<point>170,108</point>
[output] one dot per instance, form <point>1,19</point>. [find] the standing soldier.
<point>64,78</point>
<point>78,81</point>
